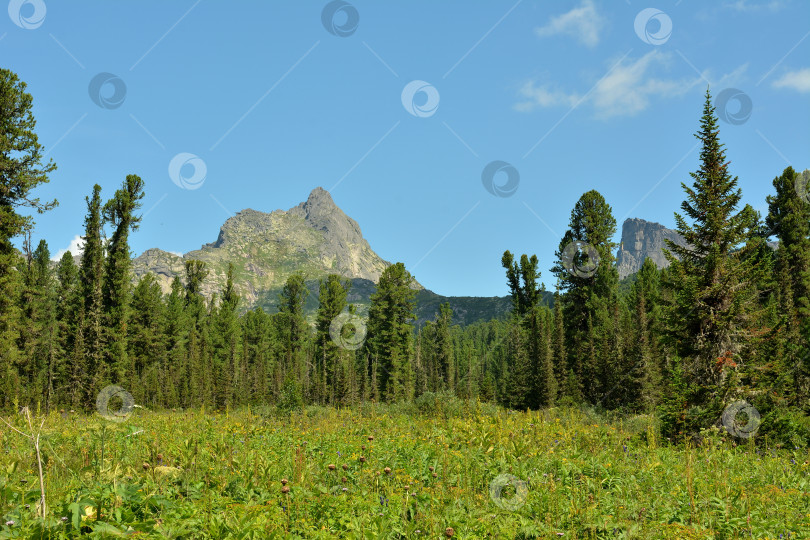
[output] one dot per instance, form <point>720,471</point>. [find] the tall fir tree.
<point>712,277</point>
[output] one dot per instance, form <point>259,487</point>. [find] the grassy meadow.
<point>382,471</point>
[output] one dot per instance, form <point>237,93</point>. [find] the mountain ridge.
<point>318,238</point>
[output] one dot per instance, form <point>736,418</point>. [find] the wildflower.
<point>430,468</point>
<point>331,467</point>
<point>362,459</point>
<point>284,481</point>
<point>343,479</point>
<point>146,466</point>
<point>345,489</point>
<point>345,467</point>
<point>285,489</point>
<point>449,532</point>
<point>387,470</point>
<point>64,519</point>
<point>370,438</point>
<point>10,523</point>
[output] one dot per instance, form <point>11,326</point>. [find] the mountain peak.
<point>642,239</point>
<point>320,196</point>
<point>315,237</point>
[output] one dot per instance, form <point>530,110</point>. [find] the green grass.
<point>221,477</point>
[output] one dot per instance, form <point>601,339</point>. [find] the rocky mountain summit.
<point>642,239</point>
<point>315,237</point>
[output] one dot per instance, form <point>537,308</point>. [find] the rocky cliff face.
<point>315,237</point>
<point>642,239</point>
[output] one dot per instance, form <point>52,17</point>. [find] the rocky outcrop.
<point>315,237</point>
<point>642,239</point>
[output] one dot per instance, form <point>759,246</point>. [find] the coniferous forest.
<point>728,320</point>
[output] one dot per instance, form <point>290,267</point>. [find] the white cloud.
<point>733,78</point>
<point>583,23</point>
<point>795,80</point>
<point>75,247</point>
<point>176,253</point>
<point>625,91</point>
<point>749,6</point>
<point>543,96</point>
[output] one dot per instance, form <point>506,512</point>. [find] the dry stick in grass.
<point>43,509</point>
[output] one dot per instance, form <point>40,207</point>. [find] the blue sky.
<point>264,101</point>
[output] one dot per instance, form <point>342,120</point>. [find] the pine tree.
<point>226,345</point>
<point>645,354</point>
<point>533,383</point>
<point>38,340</point>
<point>177,336</point>
<point>196,272</point>
<point>116,290</point>
<point>588,279</point>
<point>21,171</point>
<point>90,368</point>
<point>444,348</point>
<point>389,342</point>
<point>257,347</point>
<point>147,344</point>
<point>67,320</point>
<point>789,220</point>
<point>328,354</point>
<point>568,389</point>
<point>293,323</point>
<point>712,278</point>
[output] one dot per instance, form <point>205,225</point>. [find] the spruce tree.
<point>712,278</point>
